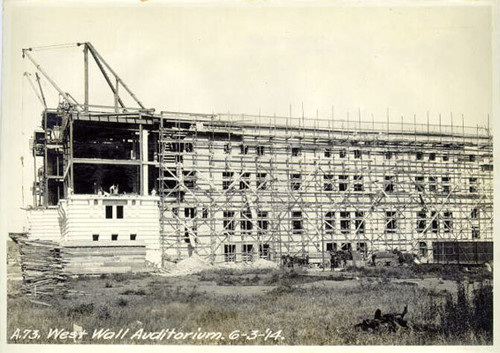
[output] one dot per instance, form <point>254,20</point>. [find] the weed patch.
<point>469,315</point>
<point>317,314</point>
<point>134,292</point>
<point>81,309</point>
<point>122,302</point>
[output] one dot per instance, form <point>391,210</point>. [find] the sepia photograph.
<point>248,173</point>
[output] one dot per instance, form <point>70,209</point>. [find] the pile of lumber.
<point>42,268</point>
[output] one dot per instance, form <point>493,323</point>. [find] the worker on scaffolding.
<point>191,239</point>
<point>113,190</point>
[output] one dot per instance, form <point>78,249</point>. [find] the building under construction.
<point>235,188</point>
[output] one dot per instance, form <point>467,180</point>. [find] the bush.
<point>226,280</point>
<point>483,309</point>
<point>103,313</point>
<point>254,280</point>
<point>447,272</point>
<point>384,272</point>
<point>280,290</point>
<point>81,309</point>
<point>134,292</point>
<point>340,277</point>
<point>119,277</point>
<point>273,279</point>
<point>464,316</point>
<point>122,302</point>
<point>451,272</point>
<point>216,316</point>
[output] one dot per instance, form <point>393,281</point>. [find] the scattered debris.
<point>290,261</point>
<point>390,322</point>
<point>385,258</point>
<point>39,302</point>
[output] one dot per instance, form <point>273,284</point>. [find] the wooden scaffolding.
<point>236,188</point>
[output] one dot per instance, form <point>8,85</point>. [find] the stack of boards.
<point>46,265</point>
<point>42,267</point>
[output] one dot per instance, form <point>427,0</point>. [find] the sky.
<point>250,58</point>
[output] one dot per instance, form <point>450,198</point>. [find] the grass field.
<point>287,307</point>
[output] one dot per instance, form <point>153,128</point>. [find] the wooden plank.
<point>106,161</point>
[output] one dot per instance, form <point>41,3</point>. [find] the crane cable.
<point>54,46</point>
<point>27,75</point>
